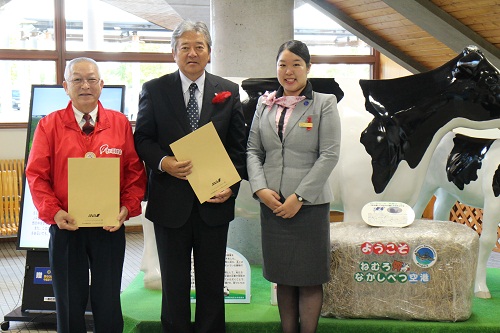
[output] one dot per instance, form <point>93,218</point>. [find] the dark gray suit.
<point>181,222</point>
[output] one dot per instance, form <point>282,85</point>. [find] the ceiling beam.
<point>444,27</point>
<point>367,36</point>
<point>194,10</point>
<point>158,12</point>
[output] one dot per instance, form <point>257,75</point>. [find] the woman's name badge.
<point>89,154</point>
<point>308,125</point>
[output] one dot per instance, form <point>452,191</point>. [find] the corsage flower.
<point>221,97</point>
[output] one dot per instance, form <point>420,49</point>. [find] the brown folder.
<point>94,191</point>
<point>213,170</point>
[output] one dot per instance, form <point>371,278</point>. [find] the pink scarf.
<point>285,103</point>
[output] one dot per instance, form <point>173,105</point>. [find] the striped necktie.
<point>87,128</point>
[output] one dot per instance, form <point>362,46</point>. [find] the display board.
<point>33,233</point>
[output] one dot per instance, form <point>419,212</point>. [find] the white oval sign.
<point>387,214</point>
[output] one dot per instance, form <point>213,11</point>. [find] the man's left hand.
<point>221,196</point>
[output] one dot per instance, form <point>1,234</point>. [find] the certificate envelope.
<point>213,170</point>
<point>94,191</point>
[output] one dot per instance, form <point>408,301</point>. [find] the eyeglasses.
<point>81,82</point>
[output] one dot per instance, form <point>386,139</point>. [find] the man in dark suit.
<point>170,107</point>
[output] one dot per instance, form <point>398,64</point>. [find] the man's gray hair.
<point>186,26</point>
<point>69,66</point>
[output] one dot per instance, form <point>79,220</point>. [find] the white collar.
<point>200,82</point>
<point>79,114</point>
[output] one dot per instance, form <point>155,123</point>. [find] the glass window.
<point>98,26</point>
<point>324,36</point>
<point>347,76</point>
<point>328,40</point>
<point>361,71</point>
<point>15,90</point>
<point>133,75</point>
<point>15,94</point>
<point>27,25</point>
<point>134,47</point>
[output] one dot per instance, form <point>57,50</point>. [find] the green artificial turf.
<point>141,311</point>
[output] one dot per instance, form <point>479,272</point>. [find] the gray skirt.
<point>296,251</point>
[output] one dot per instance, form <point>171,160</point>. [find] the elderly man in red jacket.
<point>84,129</point>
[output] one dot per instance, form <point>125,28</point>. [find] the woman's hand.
<point>288,209</point>
<point>269,198</point>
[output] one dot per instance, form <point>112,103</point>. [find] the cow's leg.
<point>443,204</point>
<point>150,264</point>
<point>423,200</point>
<point>352,211</point>
<point>487,242</point>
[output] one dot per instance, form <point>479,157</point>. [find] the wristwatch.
<point>299,197</point>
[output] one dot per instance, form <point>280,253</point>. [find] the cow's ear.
<point>467,65</point>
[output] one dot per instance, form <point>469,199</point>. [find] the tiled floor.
<point>12,264</point>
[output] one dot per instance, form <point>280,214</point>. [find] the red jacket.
<point>58,137</point>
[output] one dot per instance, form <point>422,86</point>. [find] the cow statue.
<point>466,169</point>
<point>387,158</point>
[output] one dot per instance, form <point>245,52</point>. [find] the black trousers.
<point>71,255</point>
<point>208,245</point>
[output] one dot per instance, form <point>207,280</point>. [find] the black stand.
<point>23,316</point>
<point>38,303</point>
